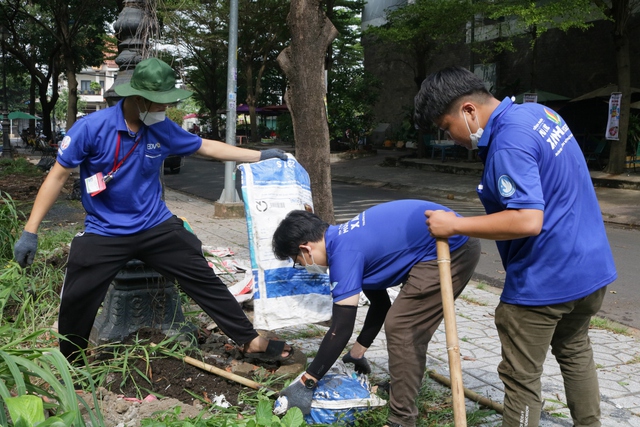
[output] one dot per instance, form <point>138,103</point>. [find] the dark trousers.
<point>526,333</point>
<point>169,249</point>
<point>411,322</point>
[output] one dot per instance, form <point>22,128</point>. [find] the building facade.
<point>568,63</point>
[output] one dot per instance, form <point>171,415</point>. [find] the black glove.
<point>299,396</point>
<point>273,152</point>
<point>25,248</point>
<point>361,365</point>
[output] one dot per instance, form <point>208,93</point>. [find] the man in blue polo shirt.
<point>543,213</point>
<point>120,151</point>
<point>382,247</point>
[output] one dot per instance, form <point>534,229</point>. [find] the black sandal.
<point>273,353</point>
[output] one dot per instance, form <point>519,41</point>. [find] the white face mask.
<point>149,118</point>
<point>314,268</point>
<point>474,137</point>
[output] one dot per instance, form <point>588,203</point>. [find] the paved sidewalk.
<point>617,356</point>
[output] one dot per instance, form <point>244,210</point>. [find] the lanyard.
<point>116,164</point>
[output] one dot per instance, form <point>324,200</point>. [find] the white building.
<point>104,75</point>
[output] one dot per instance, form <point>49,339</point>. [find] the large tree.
<point>303,62</point>
<point>49,37</point>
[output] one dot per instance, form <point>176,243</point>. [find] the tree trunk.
<point>303,64</point>
<point>47,107</point>
<point>72,107</point>
<point>618,150</point>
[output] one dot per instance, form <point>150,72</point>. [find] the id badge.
<point>95,184</point>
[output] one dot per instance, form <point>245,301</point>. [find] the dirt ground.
<point>124,403</point>
<point>175,382</point>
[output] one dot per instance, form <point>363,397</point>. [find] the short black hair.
<point>440,91</point>
<point>297,228</point>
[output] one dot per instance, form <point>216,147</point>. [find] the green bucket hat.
<point>154,80</point>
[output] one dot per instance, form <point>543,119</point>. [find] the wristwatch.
<point>308,382</point>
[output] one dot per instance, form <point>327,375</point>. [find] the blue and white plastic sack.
<point>338,397</point>
<point>283,296</point>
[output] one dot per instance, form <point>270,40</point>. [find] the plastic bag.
<point>339,395</point>
<point>283,296</point>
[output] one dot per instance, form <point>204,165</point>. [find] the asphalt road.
<point>205,179</point>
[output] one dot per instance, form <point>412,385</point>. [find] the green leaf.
<point>28,408</point>
<point>263,413</point>
<point>293,418</point>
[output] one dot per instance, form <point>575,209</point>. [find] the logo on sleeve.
<point>506,186</point>
<point>65,142</point>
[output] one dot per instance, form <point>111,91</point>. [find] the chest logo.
<point>506,186</point>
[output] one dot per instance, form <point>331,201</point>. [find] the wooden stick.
<point>221,372</point>
<point>470,394</point>
<point>453,347</point>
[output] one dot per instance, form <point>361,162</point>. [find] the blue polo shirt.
<point>532,161</point>
<point>377,248</point>
<point>131,203</point>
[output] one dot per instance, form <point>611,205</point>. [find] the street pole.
<point>229,194</point>
<point>6,142</point>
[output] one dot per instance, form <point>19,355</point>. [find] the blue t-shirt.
<point>377,248</point>
<point>532,161</point>
<point>131,203</point>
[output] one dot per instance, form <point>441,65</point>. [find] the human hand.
<point>25,248</point>
<point>440,223</point>
<point>299,396</point>
<point>273,152</point>
<point>360,365</point>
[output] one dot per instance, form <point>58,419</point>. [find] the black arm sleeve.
<point>335,340</point>
<point>380,304</point>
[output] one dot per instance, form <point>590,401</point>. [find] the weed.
<point>636,359</point>
<point>19,166</point>
<point>9,226</point>
<point>600,323</point>
<point>481,285</point>
<point>472,300</point>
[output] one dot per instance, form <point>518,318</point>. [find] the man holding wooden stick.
<point>382,247</point>
<point>543,212</point>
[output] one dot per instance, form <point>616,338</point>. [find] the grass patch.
<point>608,325</point>
<point>636,359</point>
<point>19,166</point>
<point>472,300</point>
<point>481,285</point>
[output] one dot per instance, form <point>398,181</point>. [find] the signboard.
<point>613,124</point>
